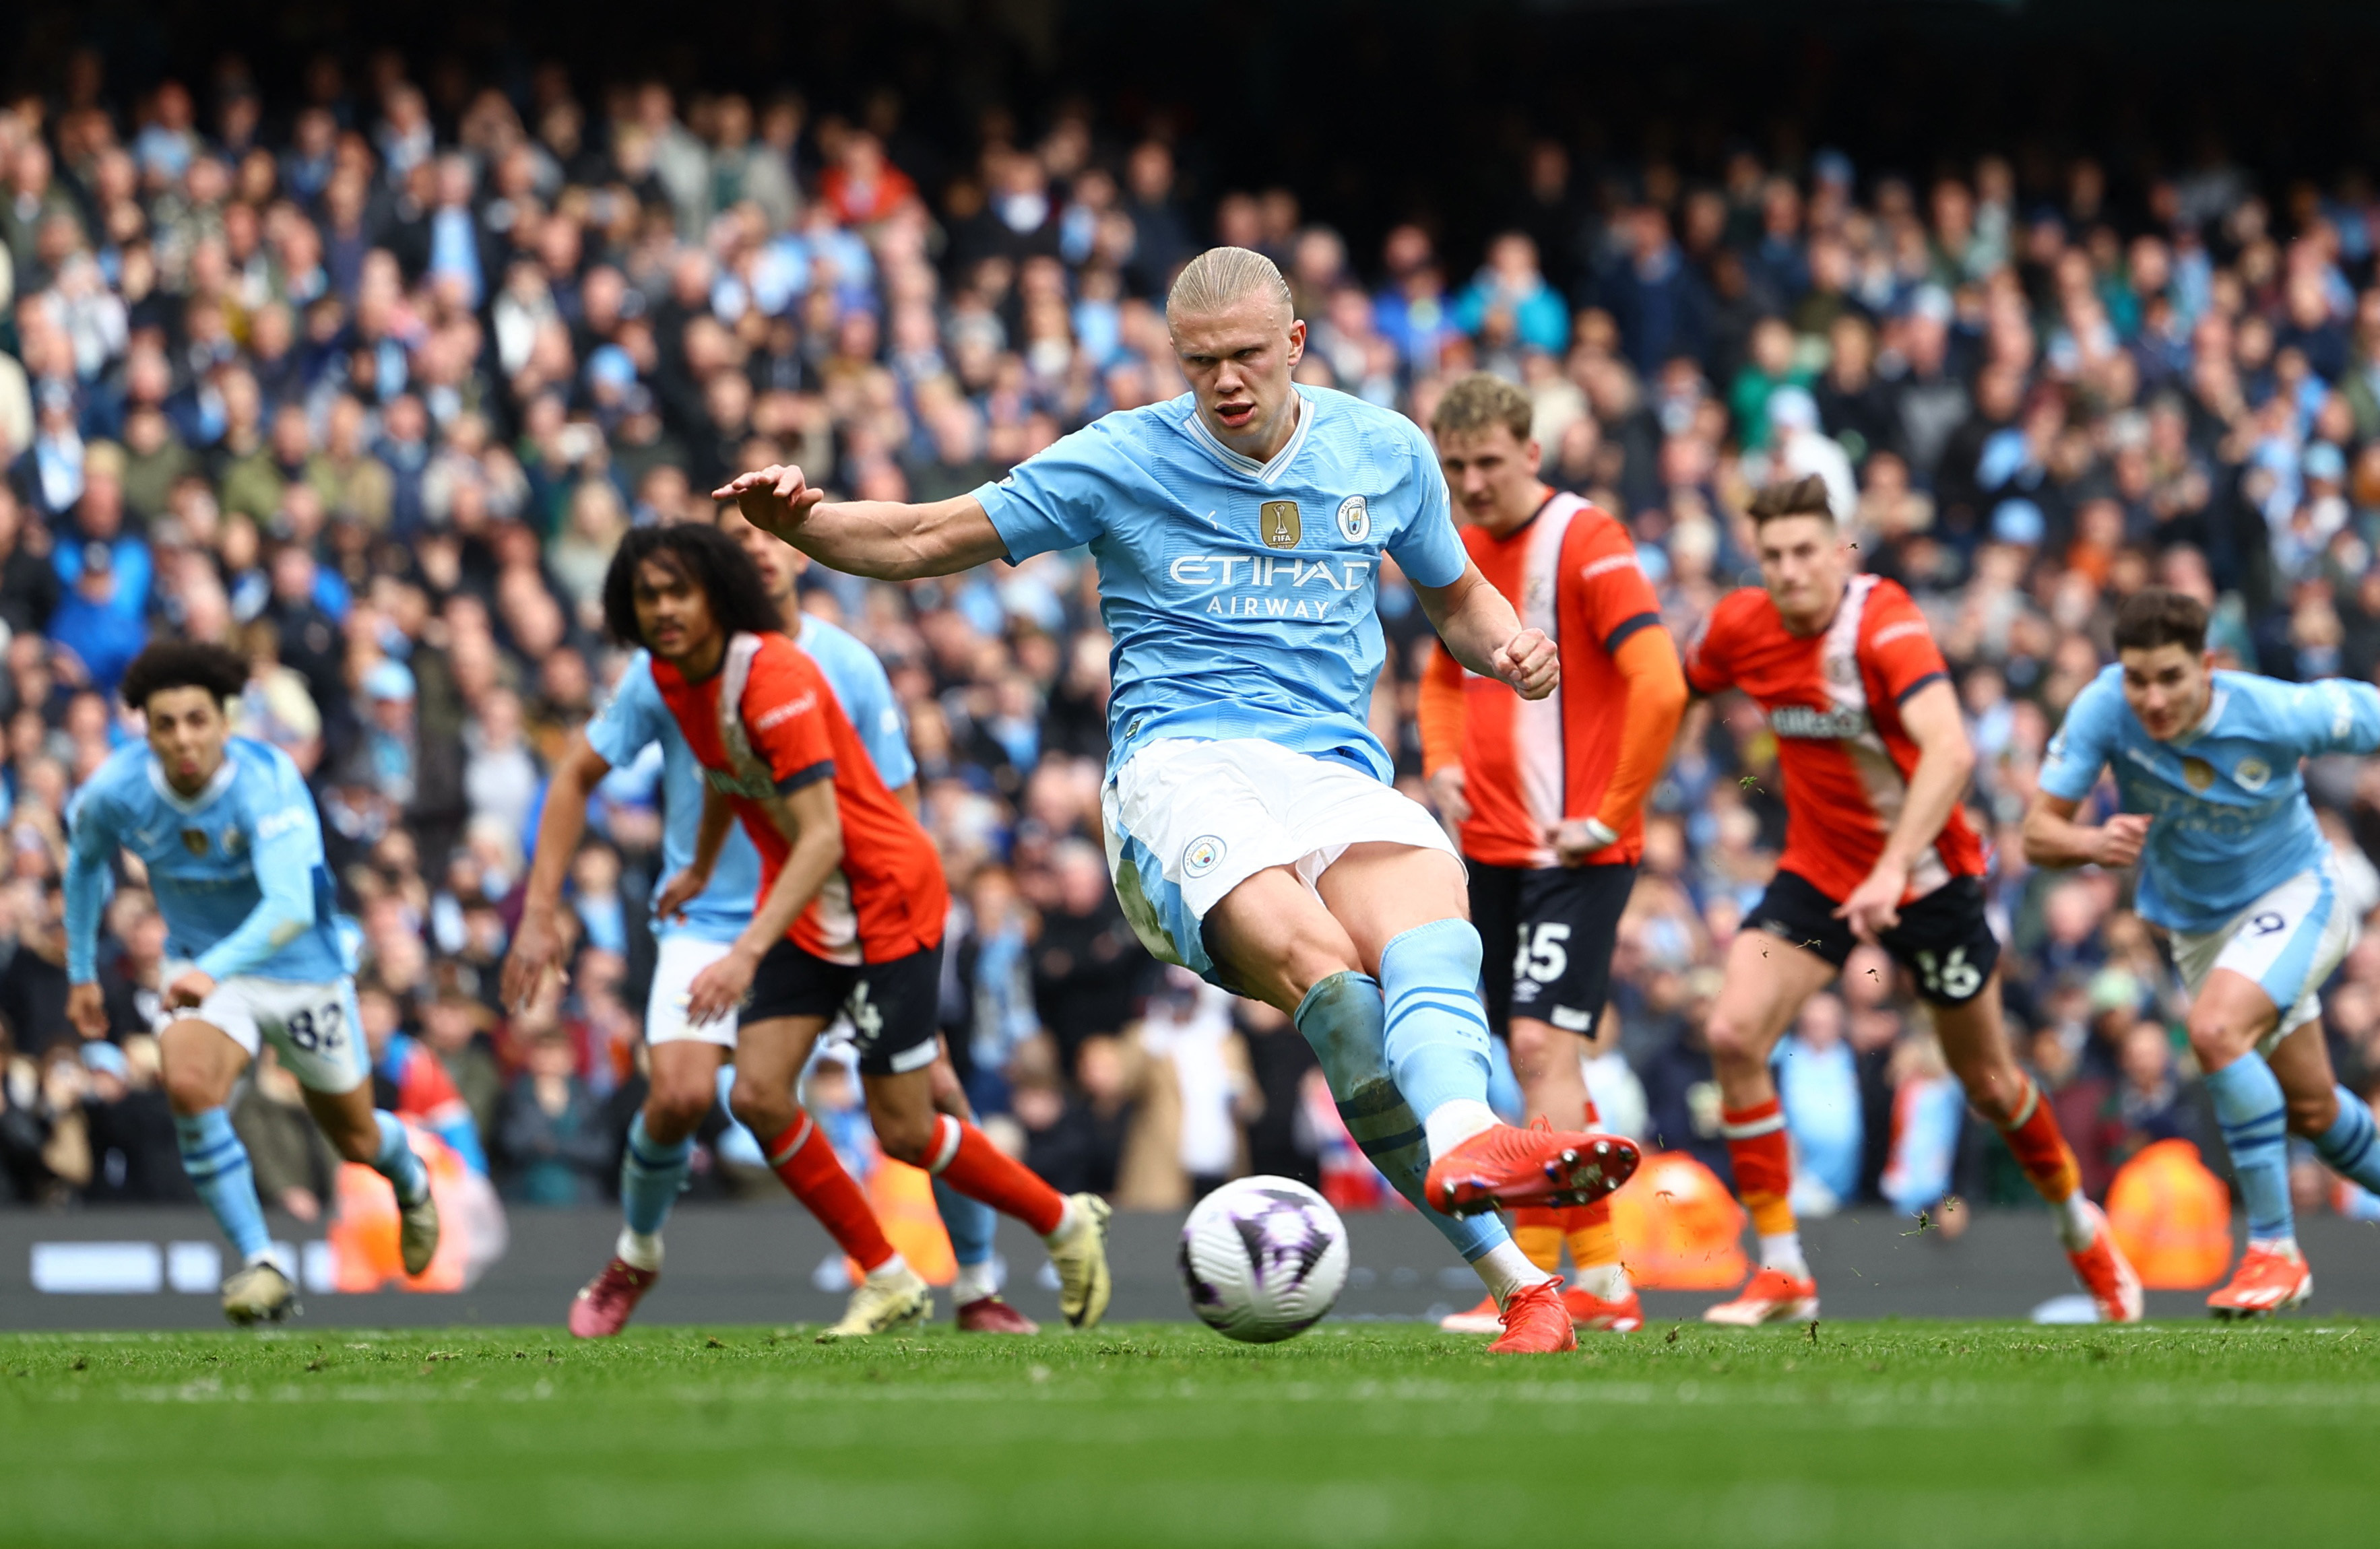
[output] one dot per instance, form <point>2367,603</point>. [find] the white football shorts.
<point>679,957</point>
<point>313,1027</point>
<point>1187,821</point>
<point>2289,941</point>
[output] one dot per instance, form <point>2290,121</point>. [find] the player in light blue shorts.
<point>1240,531</point>
<point>2234,868</point>
<point>686,1057</point>
<point>233,848</point>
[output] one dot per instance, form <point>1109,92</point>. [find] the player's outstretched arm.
<point>1946,759</point>
<point>884,540</point>
<point>1485,635</point>
<point>537,945</point>
<point>2052,838</point>
<point>86,890</point>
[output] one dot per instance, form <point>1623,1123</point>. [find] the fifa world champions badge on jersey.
<point>1354,519</point>
<point>195,840</point>
<point>1279,523</point>
<point>2198,772</point>
<point>1202,855</point>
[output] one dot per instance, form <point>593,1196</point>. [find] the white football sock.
<point>1604,1282</point>
<point>1067,1225</point>
<point>973,1283</point>
<point>1454,1122</point>
<point>642,1249</point>
<point>1505,1269</point>
<point>2075,1226</point>
<point>891,1269</point>
<point>1784,1252</point>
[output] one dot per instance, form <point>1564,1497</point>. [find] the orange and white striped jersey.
<point>1529,765</point>
<point>1833,699</point>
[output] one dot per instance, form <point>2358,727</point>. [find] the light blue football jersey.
<point>2232,818</point>
<point>1240,595</point>
<point>237,870</point>
<point>636,719</point>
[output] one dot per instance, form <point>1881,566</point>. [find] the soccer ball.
<point>1263,1258</point>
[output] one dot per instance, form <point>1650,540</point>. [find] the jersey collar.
<point>1263,473</point>
<point>224,775</point>
<point>2215,699</point>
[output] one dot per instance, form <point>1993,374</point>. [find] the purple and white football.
<point>1263,1258</point>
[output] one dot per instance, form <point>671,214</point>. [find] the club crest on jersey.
<point>1354,519</point>
<point>195,840</point>
<point>1202,855</point>
<point>2253,774</point>
<point>2198,772</point>
<point>1278,521</point>
<point>232,841</point>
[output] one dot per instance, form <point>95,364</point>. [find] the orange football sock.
<point>806,1161</point>
<point>965,1158</point>
<point>1537,1231</point>
<point>1763,1164</point>
<point>2041,1149</point>
<point>1587,1229</point>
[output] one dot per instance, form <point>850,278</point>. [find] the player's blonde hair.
<point>1220,276</point>
<point>1479,401</point>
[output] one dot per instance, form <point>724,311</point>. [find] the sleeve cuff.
<point>1903,697</point>
<point>812,775</point>
<point>1627,627</point>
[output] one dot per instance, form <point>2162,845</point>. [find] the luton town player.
<point>1239,531</point>
<point>2214,811</point>
<point>851,901</point>
<point>683,1058</point>
<point>233,847</point>
<point>1547,792</point>
<point>1874,757</point>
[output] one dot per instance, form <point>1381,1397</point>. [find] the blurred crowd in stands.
<point>370,384</point>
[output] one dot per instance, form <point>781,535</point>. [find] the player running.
<point>1874,757</point>
<point>1239,531</point>
<point>852,903</point>
<point>2214,811</point>
<point>684,1059</point>
<point>1549,793</point>
<point>234,851</point>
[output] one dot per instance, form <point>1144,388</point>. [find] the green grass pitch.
<point>1161,1435</point>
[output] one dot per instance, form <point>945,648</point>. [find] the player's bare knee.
<point>907,1137</point>
<point>2217,1039</point>
<point>191,1091</point>
<point>1534,1045</point>
<point>1736,1044</point>
<point>759,1109</point>
<point>676,1109</point>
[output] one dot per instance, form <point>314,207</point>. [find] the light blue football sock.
<point>2255,1118</point>
<point>968,1221</point>
<point>1342,1018</point>
<point>651,1175</point>
<point>1436,1035</point>
<point>395,1161</point>
<point>2346,1147</point>
<point>218,1167</point>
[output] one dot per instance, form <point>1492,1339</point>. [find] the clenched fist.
<point>1529,663</point>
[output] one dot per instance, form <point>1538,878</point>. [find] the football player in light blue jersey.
<point>233,848</point>
<point>2234,868</point>
<point>1239,532</point>
<point>686,1057</point>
